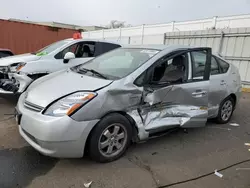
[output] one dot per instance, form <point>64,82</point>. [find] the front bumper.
<point>15,80</point>
<point>60,137</point>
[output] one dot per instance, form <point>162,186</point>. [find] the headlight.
<point>69,104</point>
<point>20,66</point>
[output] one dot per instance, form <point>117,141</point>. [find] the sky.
<point>134,12</point>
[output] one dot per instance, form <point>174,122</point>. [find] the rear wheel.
<point>225,111</point>
<point>110,138</point>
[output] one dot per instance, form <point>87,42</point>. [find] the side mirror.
<point>68,56</point>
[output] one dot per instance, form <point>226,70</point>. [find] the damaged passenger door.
<point>176,91</point>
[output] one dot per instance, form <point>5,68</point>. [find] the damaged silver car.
<point>17,72</point>
<point>127,95</point>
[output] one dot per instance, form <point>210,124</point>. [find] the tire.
<point>103,138</point>
<point>223,120</point>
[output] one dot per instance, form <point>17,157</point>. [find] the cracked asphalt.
<point>176,157</point>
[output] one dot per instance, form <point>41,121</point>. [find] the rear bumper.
<point>60,137</point>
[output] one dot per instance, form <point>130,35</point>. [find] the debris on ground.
<point>87,185</point>
<point>242,168</point>
<point>234,124</point>
<point>218,174</point>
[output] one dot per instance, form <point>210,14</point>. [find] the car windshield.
<point>50,48</point>
<point>118,63</point>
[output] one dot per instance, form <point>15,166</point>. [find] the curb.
<point>246,90</point>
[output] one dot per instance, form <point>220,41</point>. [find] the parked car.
<point>5,52</point>
<point>17,72</point>
<point>128,94</point>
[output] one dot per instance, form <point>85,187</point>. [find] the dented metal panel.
<point>186,104</point>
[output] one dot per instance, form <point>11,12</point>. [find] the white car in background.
<point>17,72</point>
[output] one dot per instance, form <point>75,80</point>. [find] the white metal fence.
<point>232,44</point>
<point>144,30</point>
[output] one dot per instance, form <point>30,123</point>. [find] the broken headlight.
<point>69,104</point>
<point>20,66</point>
<point>16,67</point>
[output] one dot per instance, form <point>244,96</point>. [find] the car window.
<point>5,54</point>
<point>120,62</point>
<point>199,62</point>
<point>214,66</point>
<point>172,70</point>
<point>81,50</point>
<point>224,65</point>
<point>51,48</point>
<point>125,61</point>
<point>103,47</point>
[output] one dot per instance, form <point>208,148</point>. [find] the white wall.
<point>233,46</point>
<point>143,30</point>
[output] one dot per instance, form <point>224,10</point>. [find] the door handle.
<point>222,82</point>
<point>199,93</point>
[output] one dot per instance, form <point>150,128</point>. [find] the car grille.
<point>3,73</point>
<point>32,106</point>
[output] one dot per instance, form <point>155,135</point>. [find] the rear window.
<point>5,54</point>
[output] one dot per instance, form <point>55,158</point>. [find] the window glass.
<point>120,62</point>
<point>199,63</point>
<point>4,54</point>
<point>224,65</point>
<point>108,47</point>
<point>80,50</point>
<point>51,48</point>
<point>171,71</point>
<point>214,67</point>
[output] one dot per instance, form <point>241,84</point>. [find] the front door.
<point>84,51</point>
<point>176,91</point>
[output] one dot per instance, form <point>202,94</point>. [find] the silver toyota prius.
<point>126,95</point>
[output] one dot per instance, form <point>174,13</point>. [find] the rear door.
<point>173,102</point>
<point>218,88</point>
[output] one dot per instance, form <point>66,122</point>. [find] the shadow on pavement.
<point>18,167</point>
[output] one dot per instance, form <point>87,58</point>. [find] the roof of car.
<point>93,40</point>
<point>145,46</point>
<point>159,47</point>
<point>4,49</point>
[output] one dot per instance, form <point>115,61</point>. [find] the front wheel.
<point>225,111</point>
<point>110,138</point>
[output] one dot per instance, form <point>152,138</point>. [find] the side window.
<point>199,62</point>
<point>223,65</point>
<point>103,47</point>
<point>172,70</point>
<point>214,67</point>
<point>5,54</point>
<point>81,50</point>
<point>108,47</point>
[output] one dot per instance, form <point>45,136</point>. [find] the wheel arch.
<point>123,113</point>
<point>234,97</point>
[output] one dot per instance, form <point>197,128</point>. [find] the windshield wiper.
<point>93,71</point>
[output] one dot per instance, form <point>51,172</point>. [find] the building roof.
<point>60,25</point>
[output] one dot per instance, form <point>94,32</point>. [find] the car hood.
<point>23,58</point>
<point>49,88</point>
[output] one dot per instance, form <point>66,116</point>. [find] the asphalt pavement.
<point>178,160</point>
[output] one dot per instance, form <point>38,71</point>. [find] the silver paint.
<point>184,105</point>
